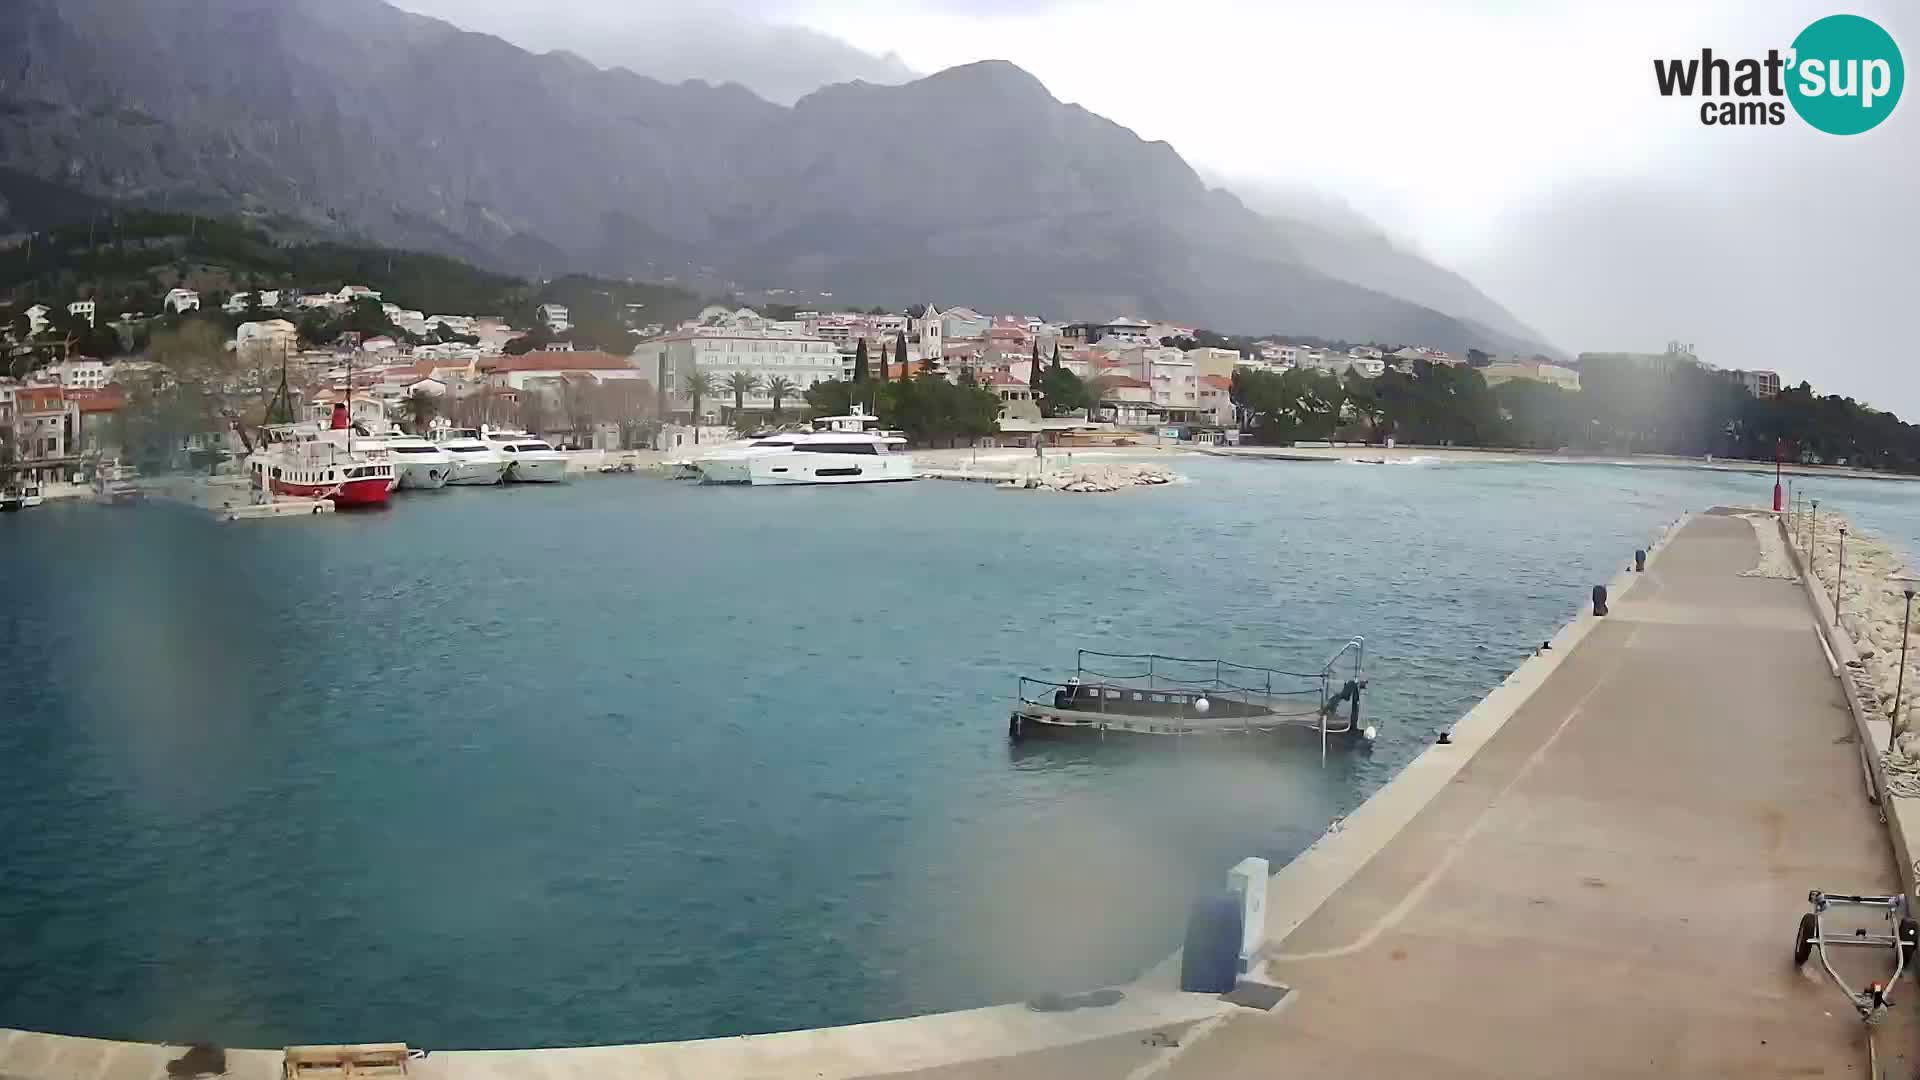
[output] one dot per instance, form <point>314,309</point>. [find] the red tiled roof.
<point>587,360</point>
<point>1000,378</point>
<point>1218,382</point>
<point>1117,381</point>
<point>38,398</point>
<point>108,398</point>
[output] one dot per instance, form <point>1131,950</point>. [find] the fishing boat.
<point>1148,696</point>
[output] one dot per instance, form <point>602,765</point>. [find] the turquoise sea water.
<point>632,760</point>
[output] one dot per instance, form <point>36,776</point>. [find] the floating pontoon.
<point>1150,696</point>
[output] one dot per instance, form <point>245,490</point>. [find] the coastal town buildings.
<point>554,317</point>
<point>181,300</point>
<point>1760,384</point>
<point>740,343</point>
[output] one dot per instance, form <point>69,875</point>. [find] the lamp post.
<point>1776,476</point>
<point>1839,575</point>
<point>1900,680</point>
<point>1813,531</point>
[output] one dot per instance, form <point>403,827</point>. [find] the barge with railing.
<point>1148,696</point>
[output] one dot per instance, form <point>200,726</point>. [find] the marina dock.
<point>1604,880</point>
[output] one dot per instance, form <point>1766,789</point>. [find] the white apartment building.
<point>732,348</point>
<point>554,316</point>
<point>82,309</point>
<point>268,339</point>
<point>1175,379</point>
<point>81,373</point>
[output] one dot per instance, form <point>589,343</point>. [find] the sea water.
<point>631,760</point>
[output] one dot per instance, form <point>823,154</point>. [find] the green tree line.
<point>1620,408</point>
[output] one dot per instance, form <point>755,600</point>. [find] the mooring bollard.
<point>1599,599</point>
<point>1639,560</point>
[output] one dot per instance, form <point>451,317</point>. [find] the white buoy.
<point>1370,732</point>
<point>1201,705</point>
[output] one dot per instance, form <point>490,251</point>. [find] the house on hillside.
<point>179,300</point>
<point>554,317</point>
<point>37,319</point>
<point>82,309</point>
<point>1018,401</point>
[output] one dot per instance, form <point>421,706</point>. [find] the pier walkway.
<point>1611,886</point>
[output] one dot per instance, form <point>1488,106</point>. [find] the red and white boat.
<point>308,461</point>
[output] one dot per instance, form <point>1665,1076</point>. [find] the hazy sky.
<point>1521,143</point>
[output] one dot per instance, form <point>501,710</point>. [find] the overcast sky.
<point>1521,143</point>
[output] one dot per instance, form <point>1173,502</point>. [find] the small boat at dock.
<point>1148,696</point>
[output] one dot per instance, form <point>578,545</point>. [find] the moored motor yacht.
<point>419,463</point>
<point>728,464</point>
<point>835,457</point>
<point>472,460</point>
<point>530,459</point>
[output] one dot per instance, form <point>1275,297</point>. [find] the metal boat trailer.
<point>1812,937</point>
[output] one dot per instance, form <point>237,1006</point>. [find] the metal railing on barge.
<point>1251,687</point>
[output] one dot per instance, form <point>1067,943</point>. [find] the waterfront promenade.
<point>1610,886</point>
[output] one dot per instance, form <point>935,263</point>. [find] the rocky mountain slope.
<point>974,185</point>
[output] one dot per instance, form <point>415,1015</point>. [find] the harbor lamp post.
<point>1839,575</point>
<point>1776,476</point>
<point>1813,531</point>
<point>1900,680</point>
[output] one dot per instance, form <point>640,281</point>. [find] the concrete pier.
<point>1610,886</point>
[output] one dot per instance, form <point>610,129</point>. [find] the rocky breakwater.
<point>1872,590</point>
<point>1104,477</point>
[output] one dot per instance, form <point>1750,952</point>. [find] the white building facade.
<point>740,346</point>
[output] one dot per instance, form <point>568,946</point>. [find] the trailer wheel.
<point>1803,940</point>
<point>1909,940</point>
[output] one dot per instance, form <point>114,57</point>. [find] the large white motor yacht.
<point>419,463</point>
<point>835,457</point>
<point>530,459</point>
<point>473,460</point>
<point>728,464</point>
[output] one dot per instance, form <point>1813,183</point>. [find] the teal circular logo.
<point>1846,74</point>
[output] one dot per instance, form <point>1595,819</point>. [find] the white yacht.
<point>728,464</point>
<point>419,463</point>
<point>472,460</point>
<point>835,457</point>
<point>530,459</point>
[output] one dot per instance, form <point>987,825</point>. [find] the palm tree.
<point>699,385</point>
<point>778,388</point>
<point>740,384</point>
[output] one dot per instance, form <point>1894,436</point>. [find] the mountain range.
<point>973,185</point>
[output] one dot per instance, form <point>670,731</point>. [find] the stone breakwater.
<point>1105,477</point>
<point>1872,603</point>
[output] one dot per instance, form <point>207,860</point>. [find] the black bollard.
<point>1639,560</point>
<point>1599,599</point>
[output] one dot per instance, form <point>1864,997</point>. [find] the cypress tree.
<point>900,353</point>
<point>860,362</point>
